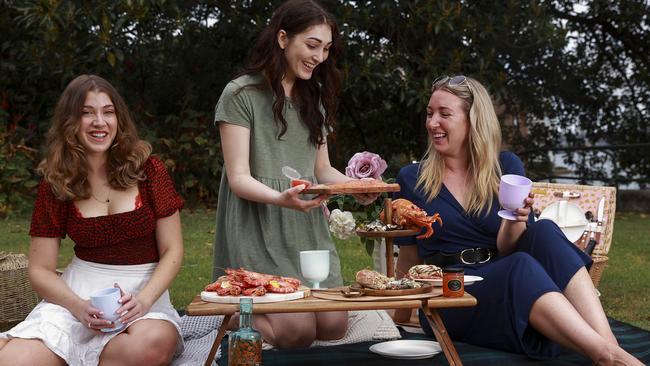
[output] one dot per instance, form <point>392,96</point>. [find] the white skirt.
<point>64,335</point>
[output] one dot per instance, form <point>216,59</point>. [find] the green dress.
<point>261,237</point>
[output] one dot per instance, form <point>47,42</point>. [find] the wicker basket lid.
<point>10,261</point>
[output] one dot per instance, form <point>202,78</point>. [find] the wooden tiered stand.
<point>388,236</point>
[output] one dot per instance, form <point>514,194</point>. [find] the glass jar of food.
<point>245,344</point>
<point>453,284</point>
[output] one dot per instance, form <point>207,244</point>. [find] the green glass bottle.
<point>245,344</point>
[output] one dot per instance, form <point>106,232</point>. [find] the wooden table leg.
<point>441,334</point>
<point>217,341</point>
<point>388,219</point>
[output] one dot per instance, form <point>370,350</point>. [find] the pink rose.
<point>365,165</point>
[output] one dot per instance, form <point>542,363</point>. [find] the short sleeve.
<point>164,199</point>
<point>234,106</point>
<point>511,164</point>
<point>49,218</point>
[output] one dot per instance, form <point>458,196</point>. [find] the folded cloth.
<point>364,326</point>
<point>199,332</point>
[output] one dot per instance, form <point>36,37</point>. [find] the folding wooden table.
<point>429,306</point>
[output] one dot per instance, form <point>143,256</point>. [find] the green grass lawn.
<point>625,284</point>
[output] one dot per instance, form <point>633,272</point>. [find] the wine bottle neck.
<point>245,320</point>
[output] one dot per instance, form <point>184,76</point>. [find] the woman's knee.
<point>27,352</point>
<point>544,227</point>
<point>155,346</point>
<point>296,333</point>
<point>331,325</point>
<point>543,236</point>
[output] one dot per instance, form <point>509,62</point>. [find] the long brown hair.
<point>65,166</point>
<point>267,58</point>
<point>484,145</point>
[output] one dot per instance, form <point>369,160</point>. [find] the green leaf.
<point>110,57</point>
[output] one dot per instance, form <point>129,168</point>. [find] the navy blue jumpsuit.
<point>544,261</point>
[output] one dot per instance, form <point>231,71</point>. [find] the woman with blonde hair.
<point>117,203</point>
<point>536,291</point>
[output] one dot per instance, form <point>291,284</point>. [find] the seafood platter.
<point>261,287</point>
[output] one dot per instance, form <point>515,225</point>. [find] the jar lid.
<point>453,270</point>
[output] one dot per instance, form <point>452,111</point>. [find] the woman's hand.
<point>511,230</point>
<point>365,199</point>
<point>90,316</point>
<point>524,212</point>
<point>291,199</point>
<point>132,308</point>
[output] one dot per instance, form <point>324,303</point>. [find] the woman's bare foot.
<point>617,356</point>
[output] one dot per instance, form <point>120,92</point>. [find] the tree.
<point>559,73</point>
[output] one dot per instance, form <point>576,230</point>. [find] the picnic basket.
<point>587,199</point>
<point>17,298</point>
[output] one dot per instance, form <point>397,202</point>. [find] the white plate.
<point>467,280</point>
<point>568,216</point>
<point>210,296</point>
<point>406,349</point>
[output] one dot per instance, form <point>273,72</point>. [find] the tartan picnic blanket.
<point>634,340</point>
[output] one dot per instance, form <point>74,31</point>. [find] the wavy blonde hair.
<point>484,145</point>
<point>65,166</point>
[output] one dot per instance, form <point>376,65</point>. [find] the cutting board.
<point>387,234</point>
<point>357,186</point>
<point>339,296</point>
<point>426,287</point>
<point>302,292</point>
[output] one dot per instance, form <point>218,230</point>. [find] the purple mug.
<point>513,190</point>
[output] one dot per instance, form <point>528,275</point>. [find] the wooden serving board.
<point>353,187</point>
<point>426,287</point>
<point>387,234</point>
<point>435,292</point>
<point>302,292</point>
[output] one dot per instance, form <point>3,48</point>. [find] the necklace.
<point>108,197</point>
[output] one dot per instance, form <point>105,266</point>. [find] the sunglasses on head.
<point>451,81</point>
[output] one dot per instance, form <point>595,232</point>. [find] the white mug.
<point>107,301</point>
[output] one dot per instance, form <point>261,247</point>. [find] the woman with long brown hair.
<point>278,112</point>
<point>117,203</point>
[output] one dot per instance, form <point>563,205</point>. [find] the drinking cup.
<point>106,300</point>
<point>513,190</point>
<point>315,265</point>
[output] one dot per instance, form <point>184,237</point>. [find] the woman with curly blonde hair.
<point>117,203</point>
<point>536,291</point>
